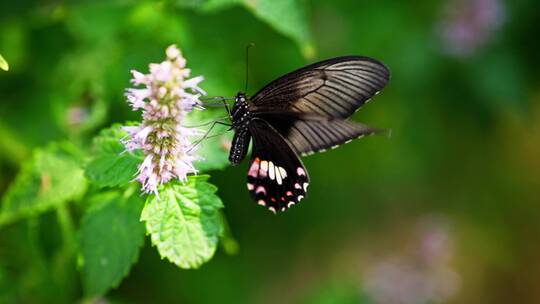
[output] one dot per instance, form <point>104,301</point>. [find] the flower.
<point>468,24</point>
<point>423,275</point>
<point>166,97</point>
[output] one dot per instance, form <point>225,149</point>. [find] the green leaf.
<point>110,239</point>
<point>184,221</point>
<point>111,165</point>
<point>52,177</point>
<point>228,242</point>
<point>214,150</point>
<point>190,3</point>
<point>3,64</point>
<point>216,5</point>
<point>288,17</point>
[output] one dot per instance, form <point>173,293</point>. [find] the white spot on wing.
<point>278,176</point>
<point>291,203</point>
<point>261,202</point>
<point>272,209</point>
<point>305,186</point>
<point>300,171</point>
<point>250,186</point>
<point>283,172</point>
<point>271,172</point>
<point>264,165</point>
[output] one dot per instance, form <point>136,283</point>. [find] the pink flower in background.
<point>468,24</point>
<point>166,97</point>
<point>421,276</point>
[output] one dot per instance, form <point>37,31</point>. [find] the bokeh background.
<point>446,210</point>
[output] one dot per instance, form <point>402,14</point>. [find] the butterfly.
<point>300,113</point>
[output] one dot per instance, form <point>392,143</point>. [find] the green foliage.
<point>51,178</point>
<point>3,63</point>
<point>184,221</point>
<point>214,151</point>
<point>337,292</point>
<point>110,238</point>
<point>288,17</point>
<point>190,3</point>
<point>110,164</point>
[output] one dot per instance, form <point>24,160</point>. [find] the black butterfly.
<point>301,113</point>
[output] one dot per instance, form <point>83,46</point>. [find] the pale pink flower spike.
<point>167,97</point>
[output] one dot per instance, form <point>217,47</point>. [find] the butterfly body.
<point>300,113</point>
<point>240,117</point>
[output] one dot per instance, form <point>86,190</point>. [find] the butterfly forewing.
<point>277,178</point>
<point>335,87</point>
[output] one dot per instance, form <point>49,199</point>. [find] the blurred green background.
<point>446,210</point>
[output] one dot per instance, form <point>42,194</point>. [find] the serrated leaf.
<point>52,177</point>
<point>110,239</point>
<point>289,17</point>
<point>3,64</point>
<point>184,221</point>
<point>110,164</point>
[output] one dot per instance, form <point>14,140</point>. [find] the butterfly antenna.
<point>247,64</point>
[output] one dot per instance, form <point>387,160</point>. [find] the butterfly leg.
<point>209,122</point>
<point>222,101</point>
<point>226,106</point>
<point>207,133</point>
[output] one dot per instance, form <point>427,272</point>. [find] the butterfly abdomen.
<point>240,145</point>
<point>240,117</point>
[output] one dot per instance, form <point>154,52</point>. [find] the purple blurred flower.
<point>469,24</point>
<point>165,99</point>
<point>421,276</point>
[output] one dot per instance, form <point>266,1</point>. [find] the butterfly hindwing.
<point>335,88</point>
<point>310,134</point>
<point>277,178</point>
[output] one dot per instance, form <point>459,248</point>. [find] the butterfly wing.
<point>335,87</point>
<point>310,134</point>
<point>277,178</point>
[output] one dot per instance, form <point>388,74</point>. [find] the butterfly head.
<point>240,97</point>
